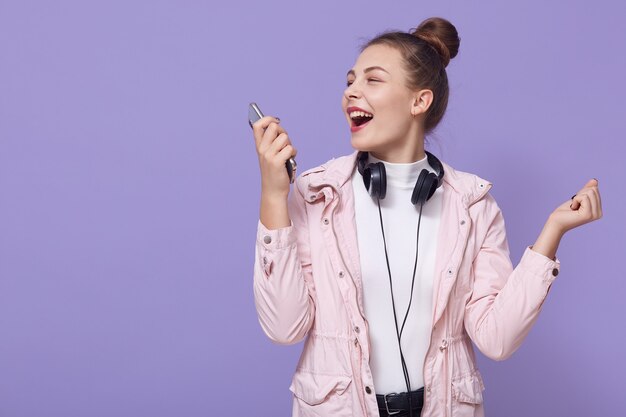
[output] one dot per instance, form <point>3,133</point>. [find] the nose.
<point>351,91</point>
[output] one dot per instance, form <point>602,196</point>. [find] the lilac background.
<point>129,191</point>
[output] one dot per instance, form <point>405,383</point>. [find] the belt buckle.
<point>387,405</point>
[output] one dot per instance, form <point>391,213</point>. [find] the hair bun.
<point>441,35</point>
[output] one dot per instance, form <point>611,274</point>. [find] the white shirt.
<point>400,218</point>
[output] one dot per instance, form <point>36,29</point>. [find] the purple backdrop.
<point>129,191</point>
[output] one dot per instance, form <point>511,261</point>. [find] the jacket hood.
<point>337,171</point>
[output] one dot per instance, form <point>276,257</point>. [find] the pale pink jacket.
<point>307,282</point>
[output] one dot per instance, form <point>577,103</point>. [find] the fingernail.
<point>573,197</point>
<point>278,118</point>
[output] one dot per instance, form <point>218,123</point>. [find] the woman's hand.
<point>274,149</point>
<point>584,207</point>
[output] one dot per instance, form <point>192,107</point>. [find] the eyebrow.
<point>351,72</point>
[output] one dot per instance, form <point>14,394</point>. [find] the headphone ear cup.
<point>425,187</point>
<point>417,190</point>
<point>431,185</point>
<point>379,180</point>
<point>367,176</point>
<point>375,179</point>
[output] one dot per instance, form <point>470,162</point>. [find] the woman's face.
<point>378,85</point>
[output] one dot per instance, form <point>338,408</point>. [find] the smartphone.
<point>254,114</point>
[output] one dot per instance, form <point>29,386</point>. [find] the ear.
<point>421,102</point>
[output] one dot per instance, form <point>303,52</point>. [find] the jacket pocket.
<point>321,395</point>
<point>468,388</point>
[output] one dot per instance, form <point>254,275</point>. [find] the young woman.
<point>337,259</point>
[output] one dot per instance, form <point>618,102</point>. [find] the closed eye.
<point>369,79</point>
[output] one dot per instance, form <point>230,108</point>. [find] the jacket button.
<point>326,220</point>
<point>267,239</point>
<point>264,260</point>
<point>368,390</point>
<point>555,272</point>
<point>341,274</point>
<point>428,388</point>
<point>462,221</point>
<point>356,329</point>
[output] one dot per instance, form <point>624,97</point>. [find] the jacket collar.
<point>337,171</point>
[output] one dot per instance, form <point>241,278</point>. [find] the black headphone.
<point>375,178</point>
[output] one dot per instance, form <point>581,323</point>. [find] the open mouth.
<point>360,118</point>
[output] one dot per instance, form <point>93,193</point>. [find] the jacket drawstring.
<point>449,382</point>
<point>444,346</point>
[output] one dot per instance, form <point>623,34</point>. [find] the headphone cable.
<point>405,371</point>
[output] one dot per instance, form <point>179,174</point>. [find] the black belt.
<point>394,403</point>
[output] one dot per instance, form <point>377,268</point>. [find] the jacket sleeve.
<point>284,293</point>
<point>505,302</point>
